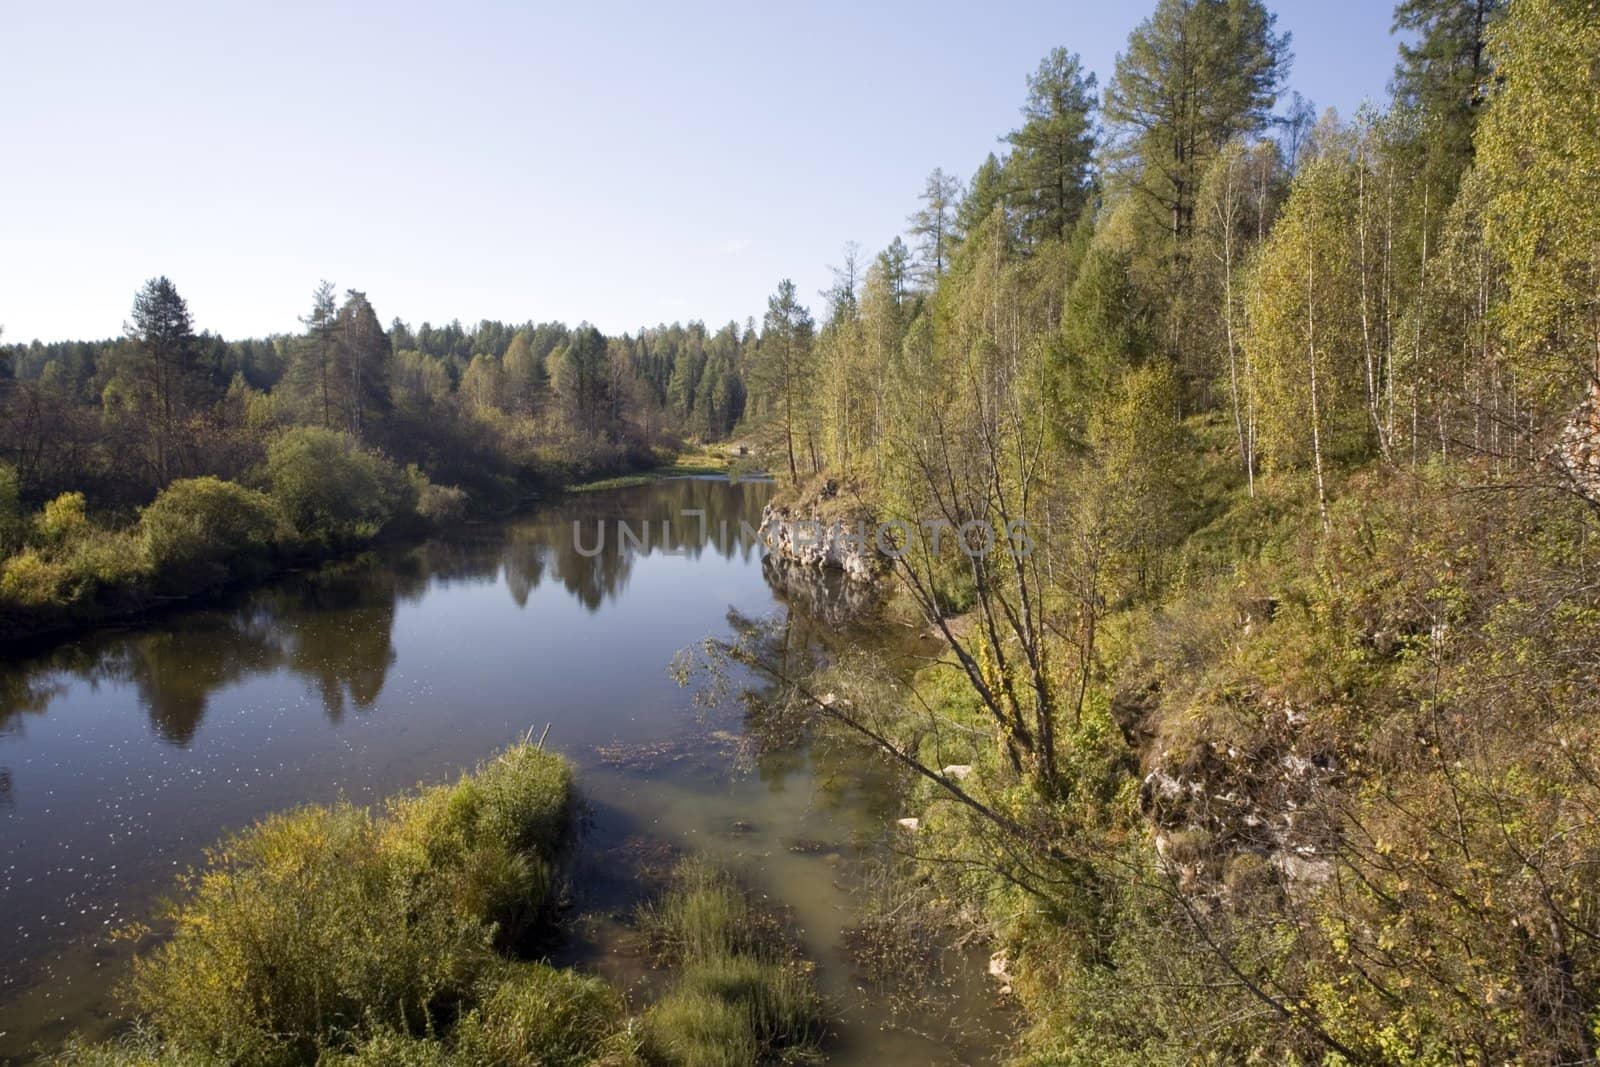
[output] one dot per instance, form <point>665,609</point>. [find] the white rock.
<point>910,826</point>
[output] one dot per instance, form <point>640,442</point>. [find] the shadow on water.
<point>123,754</point>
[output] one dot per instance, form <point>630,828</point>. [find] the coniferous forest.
<point>1281,745</point>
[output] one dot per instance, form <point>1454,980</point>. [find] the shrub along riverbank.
<point>339,935</point>
<point>318,494</point>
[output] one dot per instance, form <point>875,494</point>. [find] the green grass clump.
<point>688,1029</point>
<point>742,995</point>
<point>535,1015</point>
<point>328,928</point>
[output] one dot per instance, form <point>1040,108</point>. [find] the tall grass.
<point>743,995</point>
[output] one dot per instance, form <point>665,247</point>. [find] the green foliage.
<point>1446,73</point>
<point>538,1016</point>
<point>1305,330</point>
<point>332,489</point>
<point>442,504</point>
<point>1196,74</point>
<point>317,928</point>
<point>1049,167</point>
<point>1540,151</point>
<point>29,581</point>
<point>741,995</point>
<point>62,520</point>
<point>686,1029</point>
<point>11,525</point>
<point>208,525</point>
<point>784,373</point>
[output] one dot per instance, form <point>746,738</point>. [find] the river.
<point>124,753</point>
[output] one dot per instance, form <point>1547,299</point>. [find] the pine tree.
<point>784,369</point>
<point>580,377</point>
<point>310,381</point>
<point>985,192</point>
<point>1196,74</point>
<point>363,356</point>
<point>1049,165</point>
<point>1446,75</point>
<point>159,369</point>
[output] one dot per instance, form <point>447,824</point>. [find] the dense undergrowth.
<point>1331,796</point>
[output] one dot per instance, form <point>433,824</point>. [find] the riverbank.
<point>703,463</point>
<point>204,539</point>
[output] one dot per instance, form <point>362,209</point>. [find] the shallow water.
<point>122,755</point>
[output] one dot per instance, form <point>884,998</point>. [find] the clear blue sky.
<point>625,164</point>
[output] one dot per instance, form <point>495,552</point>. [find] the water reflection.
<point>590,545</point>
<point>124,754</point>
<point>333,629</point>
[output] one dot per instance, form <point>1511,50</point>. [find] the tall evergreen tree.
<point>311,379</point>
<point>1049,166</point>
<point>1445,74</point>
<point>985,192</point>
<point>783,366</point>
<point>160,370</point>
<point>1196,74</point>
<point>580,378</point>
<point>364,361</point>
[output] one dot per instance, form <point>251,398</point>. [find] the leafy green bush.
<point>437,504</point>
<point>441,504</point>
<point>100,561</point>
<point>28,580</point>
<point>70,564</point>
<point>202,524</point>
<point>316,929</point>
<point>333,490</point>
<point>61,520</point>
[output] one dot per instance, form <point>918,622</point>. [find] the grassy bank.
<point>703,463</point>
<point>1341,766</point>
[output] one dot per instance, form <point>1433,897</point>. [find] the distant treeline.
<point>487,407</point>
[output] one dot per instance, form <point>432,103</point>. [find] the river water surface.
<point>125,753</point>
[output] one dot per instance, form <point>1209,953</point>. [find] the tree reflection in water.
<point>333,628</point>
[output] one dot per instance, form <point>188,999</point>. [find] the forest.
<point>1282,746</point>
<point>167,462</point>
